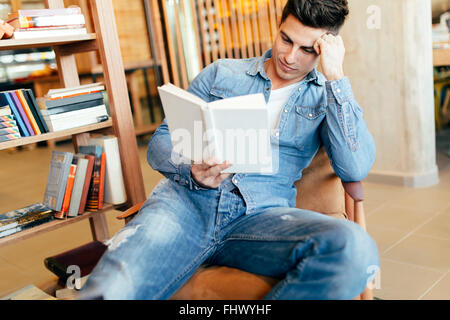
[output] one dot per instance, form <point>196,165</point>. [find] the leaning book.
<point>25,218</point>
<point>234,129</point>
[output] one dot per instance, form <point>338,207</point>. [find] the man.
<point>249,221</point>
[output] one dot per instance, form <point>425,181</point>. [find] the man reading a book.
<point>199,215</point>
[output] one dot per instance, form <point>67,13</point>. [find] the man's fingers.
<point>215,170</point>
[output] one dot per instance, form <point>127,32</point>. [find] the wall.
<point>389,62</point>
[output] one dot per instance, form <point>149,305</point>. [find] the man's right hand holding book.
<point>207,174</point>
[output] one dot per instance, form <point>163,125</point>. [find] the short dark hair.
<point>326,14</point>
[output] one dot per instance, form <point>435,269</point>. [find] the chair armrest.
<point>354,190</point>
<point>128,214</point>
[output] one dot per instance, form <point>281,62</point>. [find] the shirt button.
<point>235,181</point>
<point>187,182</point>
<point>285,110</point>
<point>338,90</point>
<point>299,89</point>
<point>277,134</point>
<point>310,115</point>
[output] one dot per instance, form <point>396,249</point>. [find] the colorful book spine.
<point>31,99</point>
<point>22,112</point>
<point>87,182</point>
<point>8,124</point>
<point>22,127</point>
<point>69,186</point>
<point>13,130</point>
<point>93,193</point>
<point>7,118</point>
<point>57,179</point>
<point>9,137</point>
<point>27,109</point>
<point>101,188</point>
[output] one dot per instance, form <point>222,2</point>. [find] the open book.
<point>233,129</point>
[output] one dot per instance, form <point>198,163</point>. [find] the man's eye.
<point>286,40</point>
<point>308,51</point>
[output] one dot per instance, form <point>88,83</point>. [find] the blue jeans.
<point>177,230</point>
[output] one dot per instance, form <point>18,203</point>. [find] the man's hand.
<point>332,51</point>
<point>207,174</point>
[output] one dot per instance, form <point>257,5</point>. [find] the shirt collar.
<point>257,66</point>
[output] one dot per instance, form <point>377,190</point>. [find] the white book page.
<point>183,112</point>
<point>242,133</point>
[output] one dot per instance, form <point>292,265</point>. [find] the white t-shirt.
<point>278,98</point>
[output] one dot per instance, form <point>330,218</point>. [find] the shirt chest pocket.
<point>307,125</point>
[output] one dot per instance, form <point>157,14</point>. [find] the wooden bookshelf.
<point>54,135</point>
<point>51,225</point>
<point>105,41</point>
<point>12,44</point>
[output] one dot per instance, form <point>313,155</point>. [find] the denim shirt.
<point>319,112</point>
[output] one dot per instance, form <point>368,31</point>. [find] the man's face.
<point>292,52</point>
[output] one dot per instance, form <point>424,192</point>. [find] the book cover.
<point>84,118</point>
<point>5,111</point>
<point>29,96</point>
<point>19,107</point>
<point>73,107</point>
<point>93,193</point>
<point>25,217</point>
<point>57,179</point>
<point>27,110</point>
<point>87,182</point>
<point>54,94</point>
<point>7,118</point>
<point>44,12</point>
<point>237,129</point>
<point>5,98</point>
<point>22,35</point>
<point>12,130</point>
<point>9,124</point>
<point>70,101</point>
<point>101,188</point>
<point>80,176</point>
<point>68,193</point>
<point>8,137</point>
<point>114,185</point>
<point>25,22</point>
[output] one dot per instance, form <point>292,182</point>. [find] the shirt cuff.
<point>187,179</point>
<point>339,91</point>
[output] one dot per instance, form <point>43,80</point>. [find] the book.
<point>94,188</point>
<point>68,192</point>
<point>30,292</point>
<point>21,35</point>
<point>78,184</point>
<point>27,22</point>
<point>44,12</point>
<point>54,94</point>
<point>6,98</point>
<point>236,129</point>
<point>20,219</point>
<point>114,185</point>
<point>19,107</point>
<point>5,111</point>
<point>87,182</point>
<point>8,137</point>
<point>101,188</point>
<point>7,118</point>
<point>49,104</point>
<point>57,179</point>
<point>27,110</point>
<point>29,96</point>
<point>9,124</point>
<point>73,107</point>
<point>73,119</point>
<point>12,130</point>
<point>85,256</point>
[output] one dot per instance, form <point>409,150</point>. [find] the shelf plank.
<point>13,44</point>
<point>54,135</point>
<point>49,226</point>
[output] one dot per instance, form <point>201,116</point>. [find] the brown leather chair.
<point>318,190</point>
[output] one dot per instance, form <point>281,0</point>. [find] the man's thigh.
<point>158,249</point>
<point>272,242</point>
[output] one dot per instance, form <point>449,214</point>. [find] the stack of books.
<point>8,126</point>
<point>73,107</point>
<point>84,181</point>
<point>43,23</point>
<point>21,219</point>
<point>24,111</point>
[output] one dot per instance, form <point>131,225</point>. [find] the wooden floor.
<point>410,226</point>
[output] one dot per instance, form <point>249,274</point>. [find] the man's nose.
<point>290,56</point>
